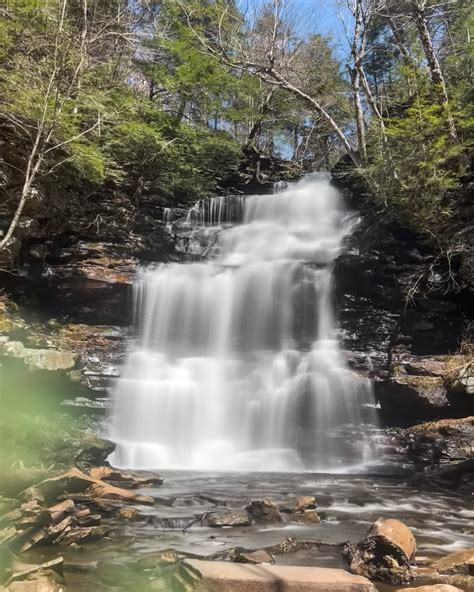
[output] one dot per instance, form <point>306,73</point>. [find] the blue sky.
<point>320,16</point>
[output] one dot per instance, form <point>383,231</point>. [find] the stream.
<point>440,520</point>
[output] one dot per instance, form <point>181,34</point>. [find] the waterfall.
<point>237,365</point>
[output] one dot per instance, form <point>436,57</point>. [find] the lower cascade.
<point>237,365</point>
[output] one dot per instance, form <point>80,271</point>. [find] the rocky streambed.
<point>109,530</point>
<point>85,534</point>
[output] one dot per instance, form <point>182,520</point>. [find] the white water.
<point>237,366</point>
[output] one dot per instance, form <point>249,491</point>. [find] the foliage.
<point>126,96</point>
<point>416,171</point>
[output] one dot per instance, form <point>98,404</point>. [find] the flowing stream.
<point>237,364</point>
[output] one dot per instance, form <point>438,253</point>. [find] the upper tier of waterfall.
<point>237,365</point>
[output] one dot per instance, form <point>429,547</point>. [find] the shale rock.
<point>459,562</point>
<point>438,443</point>
<point>417,397</point>
<point>230,518</point>
<point>39,359</point>
<point>385,554</point>
<point>264,511</point>
<point>224,576</point>
<point>73,482</point>
<point>125,480</point>
<point>432,588</point>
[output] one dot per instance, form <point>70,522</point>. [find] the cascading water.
<point>237,365</point>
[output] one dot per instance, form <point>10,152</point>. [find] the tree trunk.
<point>256,128</point>
<point>359,115</point>
<point>357,51</point>
<point>436,74</point>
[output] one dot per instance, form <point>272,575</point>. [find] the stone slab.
<point>224,576</point>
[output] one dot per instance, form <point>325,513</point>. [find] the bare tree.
<point>418,12</point>
<point>270,53</point>
<point>67,57</point>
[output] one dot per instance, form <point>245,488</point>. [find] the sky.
<point>319,16</point>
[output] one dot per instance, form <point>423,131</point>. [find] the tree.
<point>48,81</point>
<point>268,52</point>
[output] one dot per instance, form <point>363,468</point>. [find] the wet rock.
<point>423,365</point>
<point>231,518</point>
<point>465,583</point>
<point>455,370</point>
<point>459,562</point>
<point>308,517</point>
<point>304,502</point>
<point>223,576</point>
<point>396,534</point>
<point>92,450</point>
<point>410,397</point>
<point>127,480</point>
<point>254,557</point>
<point>39,359</point>
<point>106,491</point>
<point>440,442</point>
<point>73,482</point>
<point>292,544</point>
<point>385,554</point>
<point>24,571</point>
<point>59,511</point>
<point>298,504</point>
<point>432,588</point>
<point>128,514</point>
<point>264,511</point>
<point>82,535</point>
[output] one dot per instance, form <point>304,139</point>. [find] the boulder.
<point>228,518</point>
<point>394,533</point>
<point>459,562</point>
<point>223,576</point>
<point>432,588</point>
<point>385,554</point>
<point>298,504</point>
<point>304,502</point>
<point>264,511</point>
<point>128,513</point>
<point>308,517</point>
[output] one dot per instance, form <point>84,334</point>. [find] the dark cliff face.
<point>79,264</point>
<point>398,290</point>
<point>392,297</point>
<point>405,318</point>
